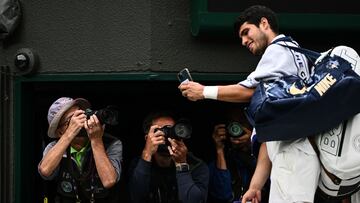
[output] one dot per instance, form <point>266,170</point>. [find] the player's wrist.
<point>210,92</point>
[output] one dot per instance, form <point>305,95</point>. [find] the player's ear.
<point>264,23</point>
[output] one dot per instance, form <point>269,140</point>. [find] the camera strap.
<point>80,176</point>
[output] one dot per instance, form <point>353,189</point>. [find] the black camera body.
<point>181,130</point>
<point>108,115</point>
<point>234,129</point>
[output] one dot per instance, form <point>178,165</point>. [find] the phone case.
<point>184,75</point>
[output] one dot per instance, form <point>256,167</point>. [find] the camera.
<point>234,129</point>
<point>181,130</point>
<point>108,115</point>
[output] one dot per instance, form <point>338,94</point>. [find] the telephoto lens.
<point>108,115</point>
<point>180,130</point>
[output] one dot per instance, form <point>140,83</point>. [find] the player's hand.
<point>252,195</point>
<point>192,90</point>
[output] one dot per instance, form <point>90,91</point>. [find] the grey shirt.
<point>113,151</point>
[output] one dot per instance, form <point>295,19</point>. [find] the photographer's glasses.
<point>66,122</point>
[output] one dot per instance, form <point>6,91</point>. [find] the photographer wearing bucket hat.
<point>84,161</point>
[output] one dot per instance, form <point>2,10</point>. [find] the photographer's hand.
<point>192,90</point>
<point>153,140</point>
<point>178,150</point>
<point>104,167</point>
<point>94,128</point>
<point>244,139</point>
<point>219,135</point>
<point>74,125</point>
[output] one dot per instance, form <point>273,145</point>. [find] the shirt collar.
<point>73,150</point>
<point>277,37</point>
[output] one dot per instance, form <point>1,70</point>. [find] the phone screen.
<point>184,75</point>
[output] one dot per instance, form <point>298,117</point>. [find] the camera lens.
<point>106,115</point>
<point>234,129</point>
<point>182,130</point>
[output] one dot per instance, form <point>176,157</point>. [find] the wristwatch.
<point>182,167</point>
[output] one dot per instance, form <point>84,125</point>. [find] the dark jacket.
<point>150,183</point>
<point>230,184</point>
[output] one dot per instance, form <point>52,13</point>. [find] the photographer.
<point>84,161</point>
<point>231,171</point>
<point>166,172</point>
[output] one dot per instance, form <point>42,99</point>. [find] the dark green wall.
<point>118,36</point>
<point>93,36</point>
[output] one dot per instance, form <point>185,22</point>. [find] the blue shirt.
<point>221,181</point>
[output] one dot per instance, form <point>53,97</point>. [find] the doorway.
<point>135,97</point>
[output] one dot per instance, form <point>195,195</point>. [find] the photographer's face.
<point>164,121</point>
<point>65,120</point>
<point>163,158</point>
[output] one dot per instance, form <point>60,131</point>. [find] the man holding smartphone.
<point>294,165</point>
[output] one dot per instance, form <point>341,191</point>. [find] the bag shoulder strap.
<point>333,177</point>
<point>312,55</point>
<point>307,52</point>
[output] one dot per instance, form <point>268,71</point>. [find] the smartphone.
<point>184,75</point>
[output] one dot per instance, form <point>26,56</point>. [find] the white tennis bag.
<point>339,148</point>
